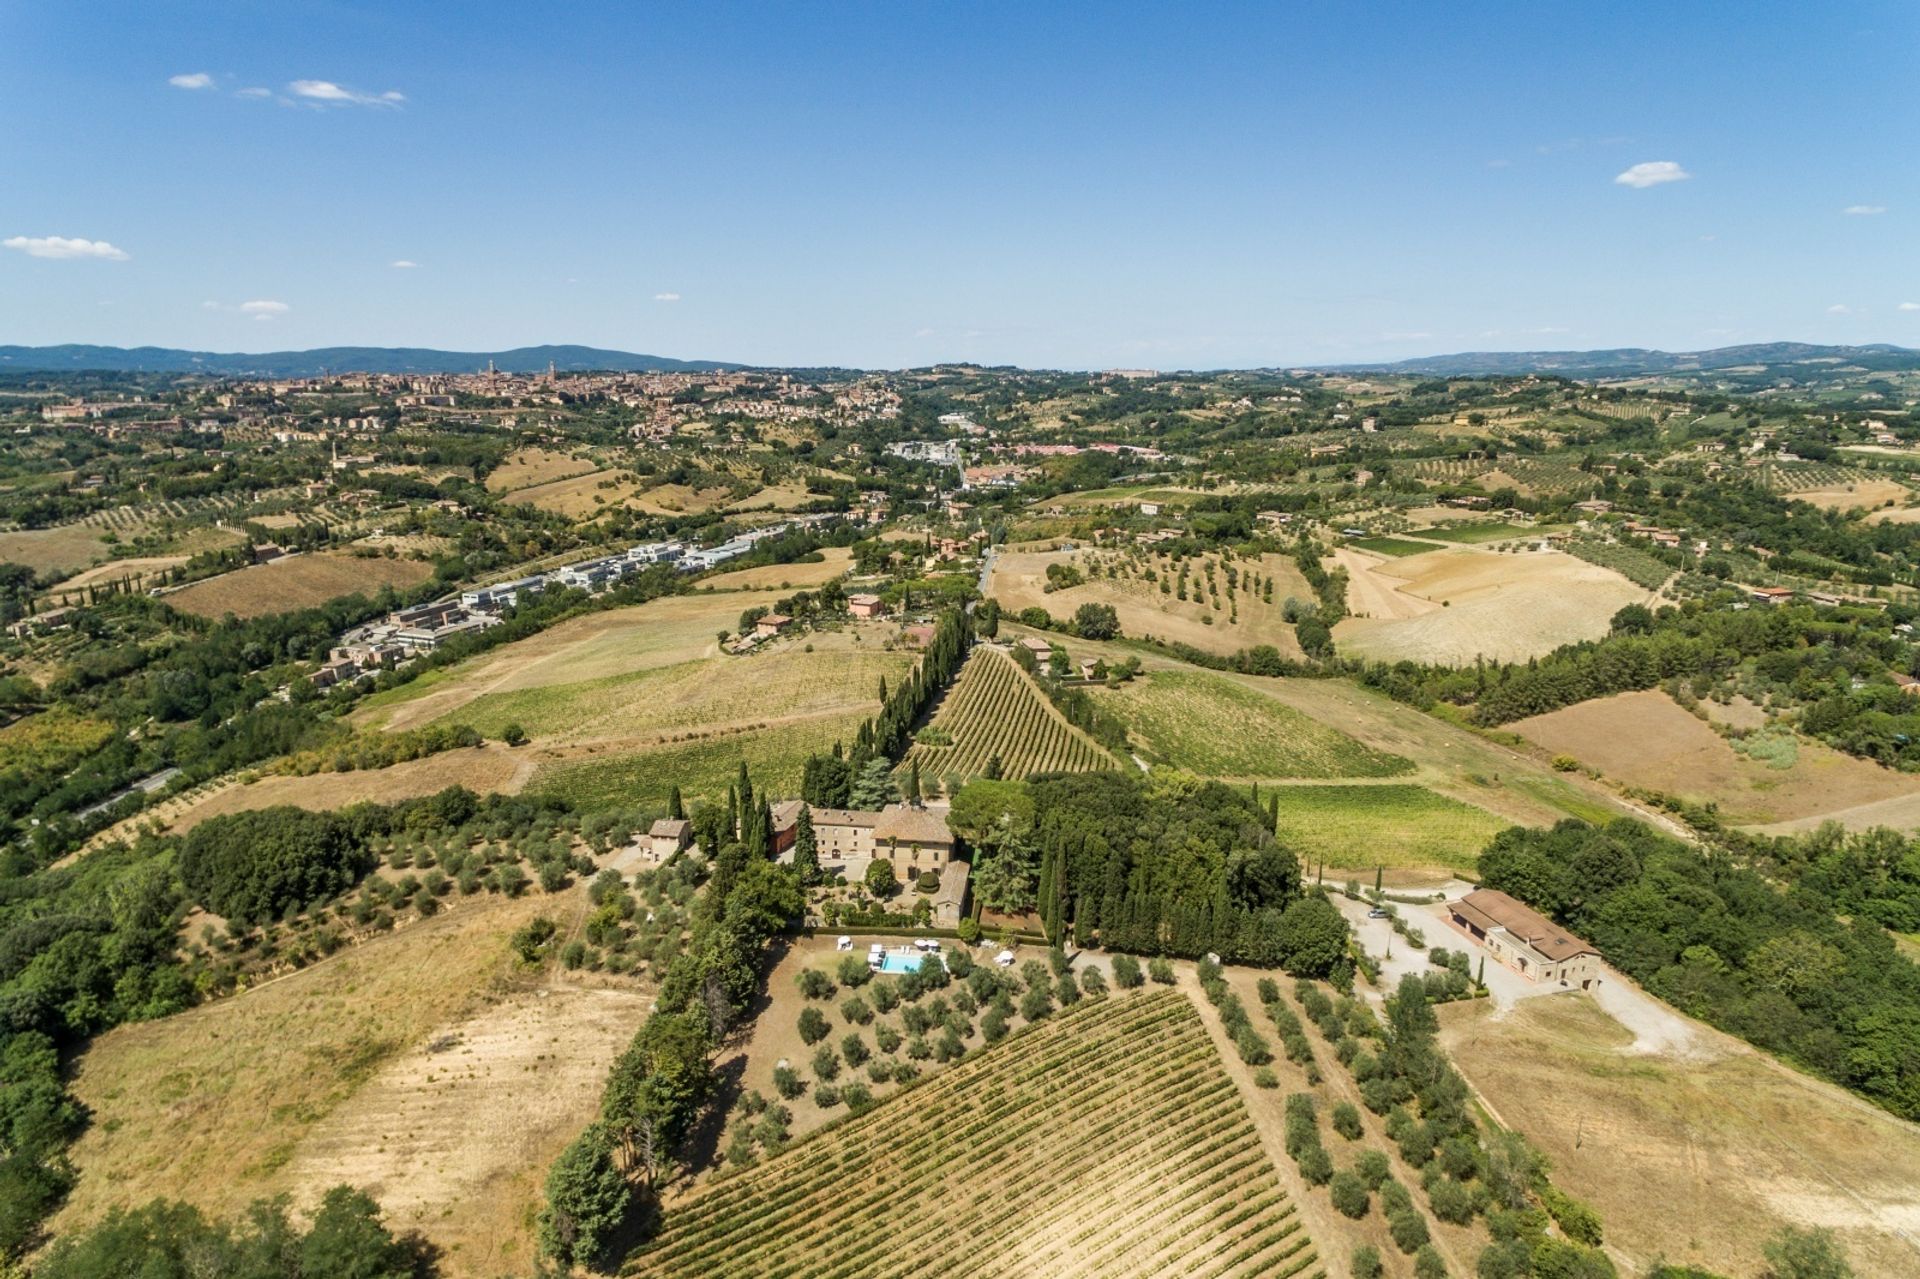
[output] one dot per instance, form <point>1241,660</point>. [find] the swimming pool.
<point>902,961</point>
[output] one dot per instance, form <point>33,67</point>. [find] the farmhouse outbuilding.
<point>668,836</point>
<point>1524,940</point>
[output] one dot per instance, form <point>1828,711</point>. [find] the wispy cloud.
<point>195,80</point>
<point>402,264</point>
<point>1652,173</point>
<point>327,93</point>
<point>262,309</point>
<point>1839,308</point>
<point>1863,210</point>
<point>253,91</point>
<point>666,297</point>
<point>1910,306</point>
<point>60,246</point>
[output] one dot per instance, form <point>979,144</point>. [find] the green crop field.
<point>1107,1139</point>
<point>1212,726</point>
<point>701,767</point>
<point>993,710</point>
<point>1356,827</point>
<point>1394,546</point>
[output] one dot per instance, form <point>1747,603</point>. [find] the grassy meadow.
<point>1218,728</point>
<point>1395,825</point>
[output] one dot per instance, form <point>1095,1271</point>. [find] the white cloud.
<point>1864,210</point>
<point>1839,308</point>
<point>253,91</point>
<point>402,264</point>
<point>1910,306</point>
<point>59,246</point>
<point>666,297</point>
<point>196,80</point>
<point>264,310</point>
<point>328,93</point>
<point>1652,173</point>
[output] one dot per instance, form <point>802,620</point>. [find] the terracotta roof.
<point>843,817</point>
<point>1489,908</point>
<point>911,825</point>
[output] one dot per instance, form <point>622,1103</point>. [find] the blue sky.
<point>896,184</point>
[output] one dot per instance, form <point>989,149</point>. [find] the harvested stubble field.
<point>1729,1144</point>
<point>713,693</point>
<point>1645,739</point>
<point>1861,494</point>
<point>834,561</point>
<point>525,468</point>
<point>483,770</point>
<point>993,709</point>
<point>1460,603</point>
<point>1020,577</point>
<point>662,632</point>
<point>295,582</point>
<point>1215,727</point>
<point>331,1073</point>
<point>53,550</point>
<point>1398,826</point>
<point>1126,1091</point>
<point>581,495</point>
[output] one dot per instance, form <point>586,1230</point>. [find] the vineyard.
<point>1124,1092</point>
<point>993,711</point>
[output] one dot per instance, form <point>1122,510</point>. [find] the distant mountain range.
<point>339,359</point>
<point>1632,361</point>
<point>1624,362</point>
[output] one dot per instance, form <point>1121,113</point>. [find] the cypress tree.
<point>806,851</point>
<point>676,809</point>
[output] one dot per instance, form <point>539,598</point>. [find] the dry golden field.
<point>785,577</point>
<point>1696,1157</point>
<point>525,468</point>
<point>1020,577</point>
<point>53,550</point>
<point>1461,602</point>
<point>424,1065</point>
<point>1861,495</point>
<point>662,632</point>
<point>295,582</point>
<point>1645,739</point>
<point>580,495</point>
<point>481,769</point>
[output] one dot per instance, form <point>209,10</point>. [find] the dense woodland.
<point>1163,866</point>
<point>1791,968</point>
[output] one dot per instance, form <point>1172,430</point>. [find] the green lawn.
<point>1396,826</point>
<point>1212,726</point>
<point>1395,546</point>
